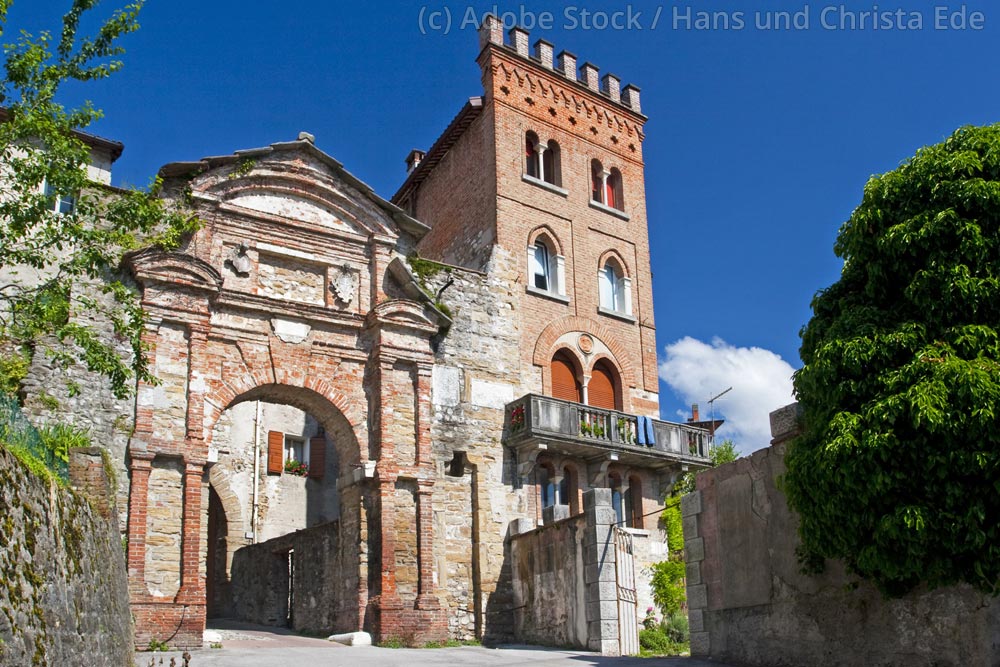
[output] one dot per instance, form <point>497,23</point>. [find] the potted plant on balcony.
<point>517,419</point>
<point>293,467</point>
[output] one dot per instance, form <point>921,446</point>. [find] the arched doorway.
<point>565,384</point>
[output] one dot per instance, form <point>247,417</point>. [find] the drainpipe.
<point>255,508</point>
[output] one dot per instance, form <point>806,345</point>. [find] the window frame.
<point>544,264</point>
<point>551,266</point>
<point>58,202</point>
<point>614,291</point>
<point>289,446</point>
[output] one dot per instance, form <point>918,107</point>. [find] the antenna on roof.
<point>711,405</point>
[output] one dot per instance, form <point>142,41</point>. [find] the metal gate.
<point>628,613</point>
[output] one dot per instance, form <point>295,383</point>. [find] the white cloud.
<point>761,382</point>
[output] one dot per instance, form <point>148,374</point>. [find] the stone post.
<point>600,581</point>
<point>694,555</point>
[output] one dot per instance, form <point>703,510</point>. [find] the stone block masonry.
<point>64,591</point>
<point>750,604</point>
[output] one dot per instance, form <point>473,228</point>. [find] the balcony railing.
<point>542,418</point>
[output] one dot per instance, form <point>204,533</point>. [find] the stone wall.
<point>476,373</point>
<point>64,592</point>
<point>749,603</point>
<point>261,581</point>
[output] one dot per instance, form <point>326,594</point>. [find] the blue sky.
<point>758,144</point>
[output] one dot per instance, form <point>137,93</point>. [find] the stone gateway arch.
<point>320,314</point>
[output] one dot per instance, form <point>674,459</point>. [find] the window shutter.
<point>601,389</point>
<point>564,384</point>
<point>275,452</point>
<point>605,288</point>
<point>317,456</point>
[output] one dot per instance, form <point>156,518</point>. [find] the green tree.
<point>47,256</point>
<point>897,471</point>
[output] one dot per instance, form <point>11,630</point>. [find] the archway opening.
<point>281,486</point>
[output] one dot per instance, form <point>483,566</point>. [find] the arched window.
<point>550,164</point>
<point>613,190</point>
<point>635,501</point>
<point>568,490</point>
<point>617,498</point>
<point>606,186</point>
<point>546,485</point>
<point>565,384</point>
<point>597,181</point>
<point>545,267</point>
<point>541,266</point>
<point>614,289</point>
<point>532,162</point>
<point>601,391</point>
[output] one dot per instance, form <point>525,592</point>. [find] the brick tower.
<point>547,165</point>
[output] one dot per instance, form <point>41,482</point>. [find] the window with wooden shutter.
<point>601,390</point>
<point>564,382</point>
<point>317,456</point>
<point>275,452</point>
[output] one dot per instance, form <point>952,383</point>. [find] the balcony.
<point>535,422</point>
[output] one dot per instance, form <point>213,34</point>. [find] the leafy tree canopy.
<point>897,471</point>
<point>45,254</point>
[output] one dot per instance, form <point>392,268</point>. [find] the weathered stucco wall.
<point>63,586</point>
<point>549,584</point>
<point>565,579</point>
<point>750,604</point>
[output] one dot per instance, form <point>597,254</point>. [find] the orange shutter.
<point>564,384</point>
<point>601,390</point>
<point>275,452</point>
<point>317,456</point>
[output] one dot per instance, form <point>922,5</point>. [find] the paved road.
<point>253,647</point>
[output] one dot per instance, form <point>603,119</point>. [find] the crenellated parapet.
<point>565,64</point>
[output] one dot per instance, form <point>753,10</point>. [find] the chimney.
<point>543,52</point>
<point>490,32</point>
<point>611,86</point>
<point>589,75</point>
<point>630,98</point>
<point>519,40</point>
<point>414,159</point>
<point>567,65</point>
<point>694,413</point>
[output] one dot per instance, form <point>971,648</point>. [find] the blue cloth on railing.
<point>640,430</point>
<point>650,437</point>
